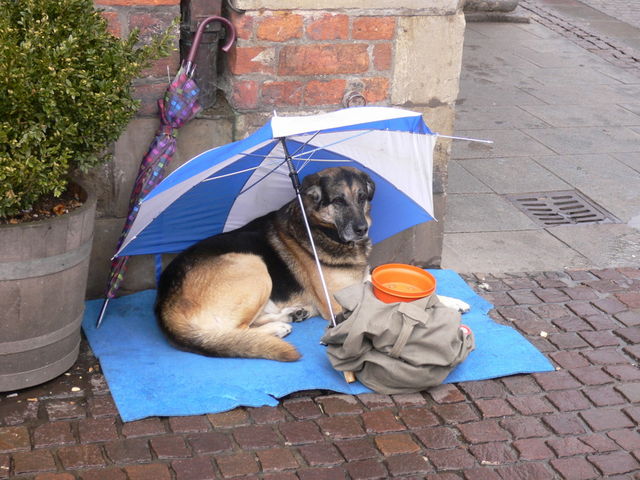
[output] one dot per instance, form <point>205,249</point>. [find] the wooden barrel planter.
<point>43,275</point>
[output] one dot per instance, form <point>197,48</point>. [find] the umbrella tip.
<point>275,114</point>
<point>102,311</point>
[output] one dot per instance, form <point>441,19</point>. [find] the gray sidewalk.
<point>560,97</point>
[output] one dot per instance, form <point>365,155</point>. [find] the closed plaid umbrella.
<point>177,107</point>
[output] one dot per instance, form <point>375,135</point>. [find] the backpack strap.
<point>411,315</point>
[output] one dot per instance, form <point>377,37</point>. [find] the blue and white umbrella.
<point>228,186</point>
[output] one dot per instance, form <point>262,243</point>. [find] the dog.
<point>235,294</point>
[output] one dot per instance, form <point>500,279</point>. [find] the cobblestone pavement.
<point>579,422</point>
<point>627,11</point>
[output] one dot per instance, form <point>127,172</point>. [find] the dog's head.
<point>337,201</point>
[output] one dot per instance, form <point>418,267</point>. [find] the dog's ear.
<point>311,189</point>
<point>371,186</point>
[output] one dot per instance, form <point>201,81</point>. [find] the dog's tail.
<point>245,343</point>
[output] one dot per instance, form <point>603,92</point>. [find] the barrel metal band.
<point>19,346</point>
<point>40,267</point>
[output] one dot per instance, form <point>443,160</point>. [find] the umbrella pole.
<point>295,180</point>
<point>102,310</point>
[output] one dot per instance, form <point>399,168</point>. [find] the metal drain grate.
<point>561,208</point>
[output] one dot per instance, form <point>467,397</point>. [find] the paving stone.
<point>614,463</point>
<point>520,384</point>
<point>80,456</point>
<point>408,464</point>
<point>133,450</point>
<point>557,380</point>
<point>564,424</point>
<point>582,308</point>
<point>625,373</point>
<point>255,437</point>
<point>64,410</point>
<point>302,408</point>
<point>630,335</point>
<point>482,473</point>
<point>237,464</point>
<point>610,305</point>
<point>604,396</point>
<point>109,473</point>
<point>297,433</point>
<point>265,415</point>
<point>94,430</point>
<point>418,417</point>
<point>599,442</point>
<point>277,459</point>
<point>374,401</point>
<point>451,459</point>
<point>381,421</point>
<point>232,418</point>
<point>569,446</point>
<point>53,434</point>
<point>455,413</point>
<point>591,375</point>
<point>54,476</point>
<point>409,399</point>
<point>531,405</point>
<point>170,446</point>
<point>567,341</point>
<point>437,437</point>
<point>189,424</point>
<point>600,339</point>
<point>320,454</point>
<point>102,406</point>
<point>366,469</point>
<point>446,393</point>
<point>199,468</point>
<point>571,323</point>
<point>525,427</point>
<point>601,322</point>
<point>358,449</point>
<point>628,439</point>
<point>33,462</point>
<point>143,428</point>
<point>630,319</point>
<point>568,401</point>
<point>5,465</point>
<point>396,444</point>
<point>209,442</point>
<point>631,391</point>
<point>12,414</point>
<point>576,468</point>
<point>341,427</point>
<point>483,389</point>
<point>483,431</point>
<point>339,404</point>
<point>152,471</point>
<point>533,449</point>
<point>334,473</point>
<point>493,453</point>
<point>606,419</point>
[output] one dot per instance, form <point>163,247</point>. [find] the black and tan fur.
<point>235,294</point>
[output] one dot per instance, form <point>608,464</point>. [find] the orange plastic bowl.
<point>397,282</point>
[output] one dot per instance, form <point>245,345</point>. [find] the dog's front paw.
<point>298,314</point>
<point>456,304</point>
<point>279,329</point>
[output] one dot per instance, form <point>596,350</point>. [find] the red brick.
<point>300,432</point>
<point>341,427</point>
<point>373,28</point>
<point>631,335</point>
<point>395,444</point>
<point>81,456</point>
<point>329,92</point>
<point>418,417</point>
<point>160,67</point>
<point>245,94</point>
<point>582,308</point>
<point>256,436</point>
<point>533,449</point>
<point>33,462</point>
<point>329,27</point>
<point>277,459</point>
<point>409,400</point>
<point>280,27</point>
<point>339,404</point>
<point>198,468</point>
<point>148,94</point>
<point>113,22</point>
<point>358,449</point>
<point>153,471</point>
<point>244,60</point>
<point>437,437</point>
<point>325,59</point>
<point>149,23</point>
<point>243,24</point>
<point>482,473</point>
<point>381,421</point>
<point>366,469</point>
<point>382,56</point>
<point>237,464</point>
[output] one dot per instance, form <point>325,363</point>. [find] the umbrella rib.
<point>330,145</point>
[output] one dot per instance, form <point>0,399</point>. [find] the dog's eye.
<point>361,198</point>
<point>339,201</point>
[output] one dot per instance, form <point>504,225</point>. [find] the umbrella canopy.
<point>226,187</point>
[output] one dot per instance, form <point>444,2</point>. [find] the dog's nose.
<point>361,229</point>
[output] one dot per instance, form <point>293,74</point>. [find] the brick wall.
<point>289,59</point>
<point>149,16</point>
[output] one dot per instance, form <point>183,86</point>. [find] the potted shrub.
<point>66,96</point>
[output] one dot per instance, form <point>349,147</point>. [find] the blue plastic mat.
<point>148,377</point>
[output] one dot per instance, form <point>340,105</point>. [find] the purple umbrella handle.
<point>231,36</point>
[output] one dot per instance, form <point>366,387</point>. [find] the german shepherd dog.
<point>235,294</point>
